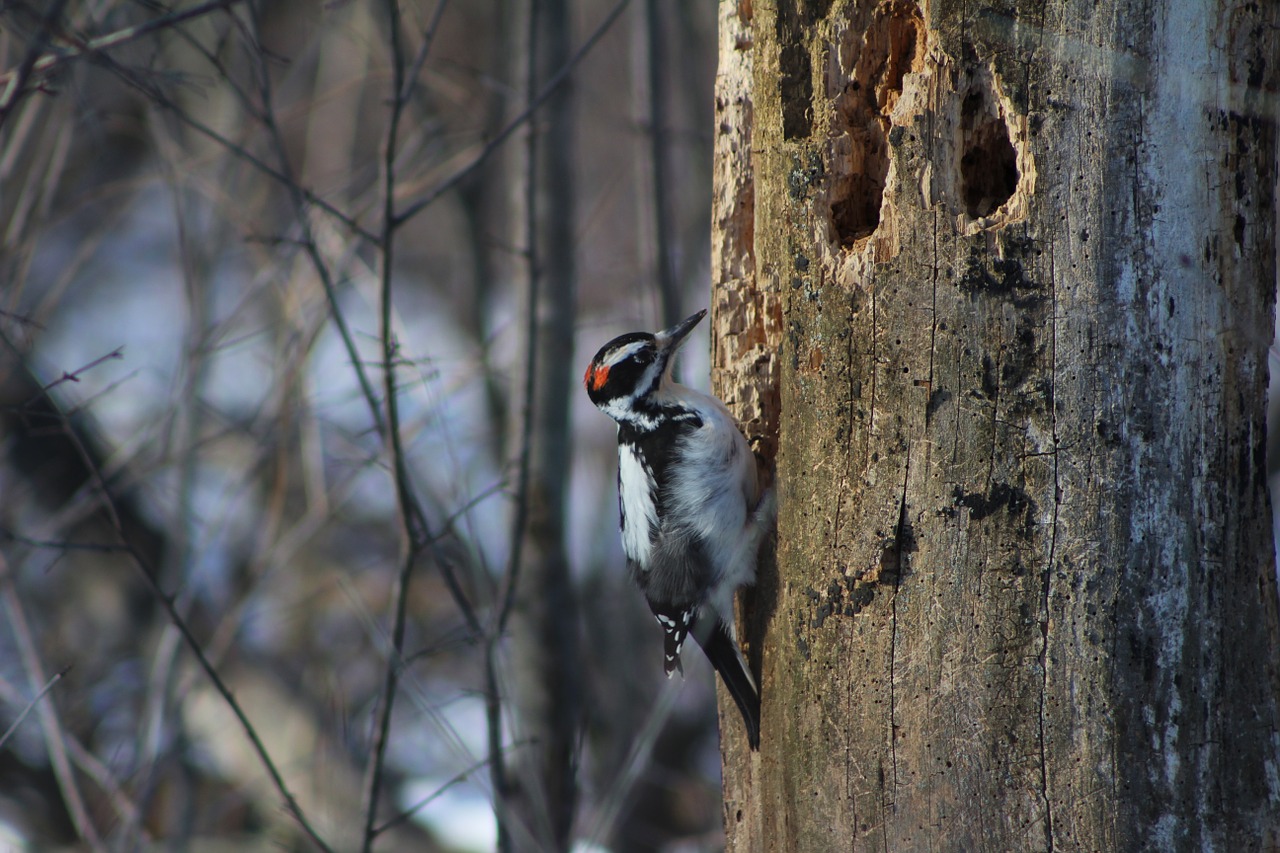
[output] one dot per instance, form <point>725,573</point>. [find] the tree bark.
<point>1023,264</point>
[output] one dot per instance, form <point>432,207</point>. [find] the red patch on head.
<point>595,377</point>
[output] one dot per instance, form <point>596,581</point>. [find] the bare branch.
<point>421,804</point>
<point>169,604</point>
<point>99,547</point>
<point>493,729</point>
<point>266,115</point>
<point>21,320</point>
<point>415,530</point>
<point>262,113</point>
<point>74,375</point>
<point>15,80</point>
<point>416,207</point>
<point>409,526</point>
<point>48,685</point>
<point>405,93</point>
<point>50,725</point>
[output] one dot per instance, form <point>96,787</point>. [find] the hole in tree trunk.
<point>989,165</point>
<point>872,61</point>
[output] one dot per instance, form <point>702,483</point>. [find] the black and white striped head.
<point>627,377</point>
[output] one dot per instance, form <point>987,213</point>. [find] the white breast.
<point>639,514</point>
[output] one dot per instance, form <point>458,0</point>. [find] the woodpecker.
<point>690,509</point>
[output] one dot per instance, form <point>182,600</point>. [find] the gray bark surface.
<point>1015,266</point>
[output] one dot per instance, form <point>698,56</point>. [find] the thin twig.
<point>421,804</point>
<point>15,82</point>
<point>74,375</point>
<point>48,685</point>
<point>428,38</point>
<point>414,208</point>
<point>618,793</point>
<point>159,99</point>
<point>311,249</point>
<point>106,781</point>
<point>100,44</point>
<point>21,320</point>
<point>259,748</point>
<point>415,530</point>
<point>498,779</point>
<point>80,756</point>
<point>256,162</point>
<point>159,705</point>
<point>50,725</point>
<point>98,547</point>
<point>225,75</point>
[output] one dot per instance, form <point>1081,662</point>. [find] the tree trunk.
<point>544,624</point>
<point>1024,263</point>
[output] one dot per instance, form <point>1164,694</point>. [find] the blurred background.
<point>195,252</point>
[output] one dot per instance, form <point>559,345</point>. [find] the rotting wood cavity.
<point>872,61</point>
<point>989,164</point>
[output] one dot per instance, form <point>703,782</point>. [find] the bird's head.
<point>629,373</point>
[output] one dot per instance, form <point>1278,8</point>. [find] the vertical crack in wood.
<point>901,546</point>
<point>1046,579</point>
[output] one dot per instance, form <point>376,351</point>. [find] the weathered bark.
<point>1025,595</point>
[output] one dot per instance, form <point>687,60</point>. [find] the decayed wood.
<point>745,316</point>
<point>746,310</point>
<point>1014,272</point>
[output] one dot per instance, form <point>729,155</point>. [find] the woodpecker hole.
<point>795,85</point>
<point>988,164</point>
<point>866,73</point>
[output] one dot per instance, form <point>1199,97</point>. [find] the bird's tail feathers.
<point>727,659</point>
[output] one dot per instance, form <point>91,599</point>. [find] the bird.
<point>691,512</point>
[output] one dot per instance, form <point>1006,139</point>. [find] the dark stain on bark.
<point>937,398</point>
<point>848,596</point>
<point>1001,496</point>
<point>990,385</point>
<point>795,85</point>
<point>1002,277</point>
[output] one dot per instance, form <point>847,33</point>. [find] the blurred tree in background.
<point>295,296</point>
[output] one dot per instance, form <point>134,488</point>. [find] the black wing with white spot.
<point>676,624</point>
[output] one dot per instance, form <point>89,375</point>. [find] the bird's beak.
<point>669,340</point>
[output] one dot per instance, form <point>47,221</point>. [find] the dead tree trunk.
<point>1013,270</point>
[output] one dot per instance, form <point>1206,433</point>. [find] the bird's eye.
<point>643,357</point>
